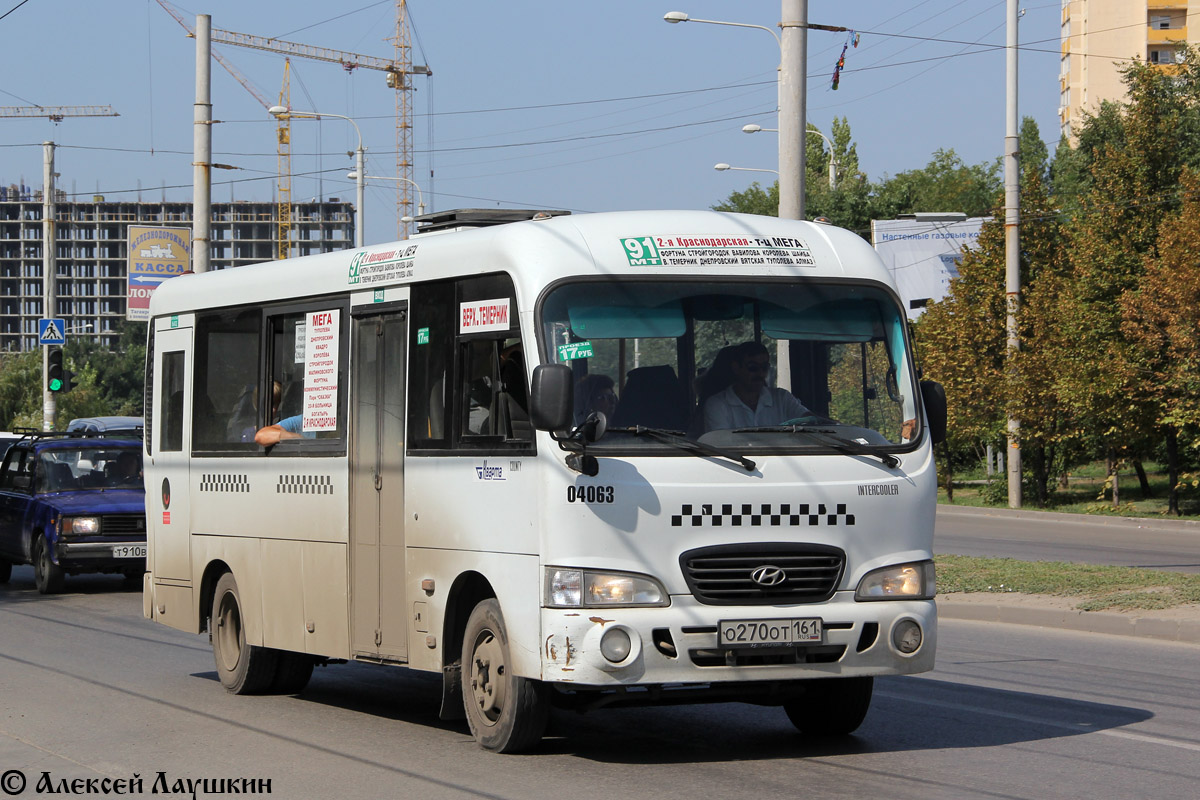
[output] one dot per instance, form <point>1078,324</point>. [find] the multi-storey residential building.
<point>1098,36</point>
<point>91,253</point>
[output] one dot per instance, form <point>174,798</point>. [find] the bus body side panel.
<point>466,517</point>
<point>297,509</point>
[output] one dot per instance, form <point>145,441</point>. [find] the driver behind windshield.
<point>748,402</point>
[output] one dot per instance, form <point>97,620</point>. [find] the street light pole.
<point>832,156</point>
<point>793,48</point>
<point>792,118</point>
<point>360,161</point>
<point>722,167</point>
<point>420,197</point>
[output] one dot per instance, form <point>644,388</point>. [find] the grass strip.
<point>1097,587</point>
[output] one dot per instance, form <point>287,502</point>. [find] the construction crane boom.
<point>397,70</point>
<point>57,113</point>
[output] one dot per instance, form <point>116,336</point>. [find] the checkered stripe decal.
<point>224,483</point>
<point>762,514</point>
<point>304,484</point>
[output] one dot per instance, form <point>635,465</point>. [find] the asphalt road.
<point>89,689</point>
<point>1041,536</point>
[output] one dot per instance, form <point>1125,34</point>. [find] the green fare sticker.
<point>422,335</point>
<point>574,350</point>
<point>379,295</point>
<point>642,252</point>
<point>174,321</point>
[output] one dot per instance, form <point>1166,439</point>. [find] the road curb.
<point>1133,523</point>
<point>1147,625</point>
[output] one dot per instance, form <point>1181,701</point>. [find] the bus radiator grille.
<point>767,573</point>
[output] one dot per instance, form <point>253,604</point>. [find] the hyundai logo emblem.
<point>768,575</point>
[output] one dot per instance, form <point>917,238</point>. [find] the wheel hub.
<point>487,676</point>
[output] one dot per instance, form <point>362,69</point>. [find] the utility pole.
<point>1012,247</point>
<point>49,278</point>
<point>202,147</point>
<point>793,123</point>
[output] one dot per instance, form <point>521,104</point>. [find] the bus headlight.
<point>576,588</point>
<point>915,581</point>
<point>80,526</point>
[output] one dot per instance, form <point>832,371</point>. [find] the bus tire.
<point>242,668</point>
<point>292,672</point>
<point>507,713</point>
<point>5,570</point>
<point>47,576</point>
<point>831,706</point>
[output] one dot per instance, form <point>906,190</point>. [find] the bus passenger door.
<point>168,515</point>
<point>379,620</point>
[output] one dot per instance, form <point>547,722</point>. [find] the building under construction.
<point>91,253</point>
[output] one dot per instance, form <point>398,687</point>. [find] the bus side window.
<point>430,350</point>
<point>171,414</point>
<point>226,363</point>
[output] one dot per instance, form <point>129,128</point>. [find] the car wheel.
<point>506,713</point>
<point>242,668</point>
<point>831,706</point>
<point>5,570</point>
<point>47,576</point>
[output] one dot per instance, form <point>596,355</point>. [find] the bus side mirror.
<point>552,397</point>
<point>935,409</point>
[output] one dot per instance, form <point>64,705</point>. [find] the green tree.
<point>1161,320</point>
<point>21,389</point>
<point>946,183</point>
<point>1133,180</point>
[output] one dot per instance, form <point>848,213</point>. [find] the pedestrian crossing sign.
<point>52,331</point>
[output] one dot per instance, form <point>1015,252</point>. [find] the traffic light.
<point>54,371</point>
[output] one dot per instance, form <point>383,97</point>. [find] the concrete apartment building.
<point>1099,35</point>
<point>92,246</point>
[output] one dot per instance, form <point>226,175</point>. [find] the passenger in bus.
<point>748,402</point>
<point>595,392</point>
<point>286,428</point>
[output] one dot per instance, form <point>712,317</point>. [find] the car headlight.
<point>81,526</point>
<point>915,581</point>
<point>577,588</point>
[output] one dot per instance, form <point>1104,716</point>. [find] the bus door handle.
<point>378,481</point>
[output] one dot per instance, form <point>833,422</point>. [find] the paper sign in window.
<point>321,371</point>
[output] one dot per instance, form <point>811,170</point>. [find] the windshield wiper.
<point>832,440</point>
<point>688,445</point>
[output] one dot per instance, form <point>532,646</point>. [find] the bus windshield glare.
<point>750,365</point>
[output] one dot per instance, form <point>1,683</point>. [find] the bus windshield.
<point>748,365</point>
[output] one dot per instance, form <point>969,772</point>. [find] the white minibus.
<point>569,461</point>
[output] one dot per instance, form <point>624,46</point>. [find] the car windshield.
<point>745,365</point>
<point>89,468</point>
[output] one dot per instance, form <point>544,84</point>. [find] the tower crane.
<point>57,113</point>
<point>397,71</point>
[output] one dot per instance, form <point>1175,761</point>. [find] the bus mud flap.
<point>452,699</point>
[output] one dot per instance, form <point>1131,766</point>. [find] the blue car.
<point>71,505</point>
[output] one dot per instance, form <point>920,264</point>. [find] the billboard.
<point>922,254</point>
<point>155,254</point>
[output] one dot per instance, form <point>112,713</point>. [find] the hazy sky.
<point>572,105</point>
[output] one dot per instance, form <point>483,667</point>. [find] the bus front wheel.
<point>243,668</point>
<point>506,713</point>
<point>831,706</point>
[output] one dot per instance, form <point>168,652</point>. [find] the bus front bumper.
<point>606,648</point>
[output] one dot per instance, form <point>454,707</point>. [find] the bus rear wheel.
<point>243,668</point>
<point>831,706</point>
<point>507,713</point>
